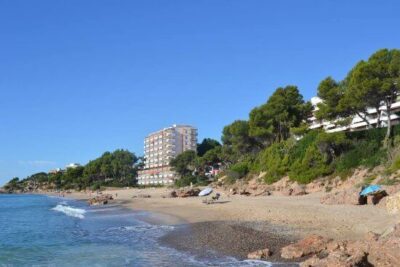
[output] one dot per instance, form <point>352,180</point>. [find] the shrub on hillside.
<point>241,168</point>
<point>367,153</point>
<point>185,181</point>
<point>274,161</point>
<point>191,179</point>
<point>309,167</point>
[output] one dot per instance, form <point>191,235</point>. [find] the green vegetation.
<point>118,168</point>
<point>277,141</point>
<point>206,145</point>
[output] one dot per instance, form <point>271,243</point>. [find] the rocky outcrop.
<point>393,203</point>
<point>310,245</point>
<point>294,190</point>
<point>261,254</point>
<point>172,194</point>
<point>348,196</point>
<point>337,259</point>
<point>374,250</point>
<point>188,192</point>
<point>100,199</point>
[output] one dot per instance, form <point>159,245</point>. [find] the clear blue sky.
<point>78,78</point>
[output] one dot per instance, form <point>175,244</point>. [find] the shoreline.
<point>213,238</point>
<point>223,225</point>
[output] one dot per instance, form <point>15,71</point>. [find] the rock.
<point>298,190</point>
<point>316,186</point>
<point>261,175</point>
<point>263,193</point>
<point>392,189</point>
<point>287,191</point>
<point>375,250</point>
<point>337,259</point>
<point>393,203</point>
<point>244,192</point>
<point>282,184</point>
<point>310,245</point>
<point>143,196</point>
<point>190,192</point>
<point>259,254</point>
<point>348,196</point>
<point>100,200</point>
<point>173,194</point>
<point>371,236</point>
<point>375,199</point>
<point>386,251</point>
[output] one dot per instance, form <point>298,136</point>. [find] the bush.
<point>311,166</point>
<point>241,168</point>
<point>185,181</point>
<point>96,186</point>
<point>191,179</point>
<point>367,153</point>
<point>274,161</point>
<point>231,176</point>
<point>395,165</point>
<point>299,149</point>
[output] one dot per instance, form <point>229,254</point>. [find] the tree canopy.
<point>284,109</point>
<point>206,145</point>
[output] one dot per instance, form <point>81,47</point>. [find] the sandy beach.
<point>303,215</point>
<point>237,225</point>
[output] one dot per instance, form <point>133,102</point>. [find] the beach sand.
<point>237,225</point>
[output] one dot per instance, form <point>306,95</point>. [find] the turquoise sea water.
<point>48,231</point>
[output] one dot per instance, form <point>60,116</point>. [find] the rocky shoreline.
<point>374,250</point>
<point>330,226</point>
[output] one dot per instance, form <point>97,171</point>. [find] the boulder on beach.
<point>100,199</point>
<point>188,192</point>
<point>172,194</point>
<point>260,254</point>
<point>348,196</point>
<point>310,245</point>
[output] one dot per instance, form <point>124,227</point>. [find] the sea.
<point>38,230</point>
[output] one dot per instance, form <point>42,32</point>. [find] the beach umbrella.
<point>205,191</point>
<point>370,190</point>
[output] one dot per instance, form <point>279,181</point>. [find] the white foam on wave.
<point>70,211</point>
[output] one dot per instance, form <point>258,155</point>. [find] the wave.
<point>70,211</point>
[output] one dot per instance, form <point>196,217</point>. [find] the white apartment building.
<point>357,123</point>
<point>72,166</point>
<point>160,148</point>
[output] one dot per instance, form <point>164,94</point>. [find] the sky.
<point>78,78</point>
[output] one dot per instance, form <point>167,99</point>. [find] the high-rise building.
<point>160,148</point>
